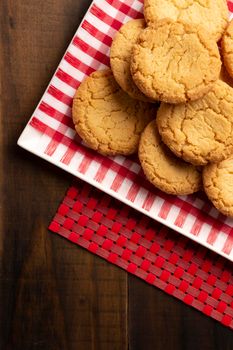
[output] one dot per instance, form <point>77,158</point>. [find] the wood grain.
<point>55,295</point>
<point>166,323</point>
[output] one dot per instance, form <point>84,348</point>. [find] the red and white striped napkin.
<point>147,249</point>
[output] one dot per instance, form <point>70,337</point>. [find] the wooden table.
<point>55,295</point>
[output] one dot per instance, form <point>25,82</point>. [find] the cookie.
<point>164,170</point>
<point>200,131</point>
<point>224,76</point>
<point>174,62</point>
<point>212,15</point>
<point>227,48</point>
<point>218,185</point>
<point>120,57</point>
<point>106,118</point>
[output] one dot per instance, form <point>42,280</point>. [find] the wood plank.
<point>54,295</point>
<point>159,321</point>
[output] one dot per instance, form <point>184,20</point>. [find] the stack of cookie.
<point>171,57</point>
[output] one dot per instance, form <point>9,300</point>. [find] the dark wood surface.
<point>55,295</point>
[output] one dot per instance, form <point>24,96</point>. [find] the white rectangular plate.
<point>49,134</point>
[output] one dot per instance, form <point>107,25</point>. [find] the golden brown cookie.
<point>224,76</point>
<point>212,15</point>
<point>200,131</point>
<point>218,185</point>
<point>175,62</point>
<point>106,118</point>
<point>120,57</point>
<point>227,48</point>
<point>163,169</point>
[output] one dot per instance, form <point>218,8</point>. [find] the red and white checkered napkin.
<point>145,248</point>
<point>122,177</point>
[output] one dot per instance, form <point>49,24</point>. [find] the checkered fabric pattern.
<point>147,249</point>
<point>121,177</point>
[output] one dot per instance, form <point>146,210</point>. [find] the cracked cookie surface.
<point>218,185</point>
<point>212,15</point>
<point>162,168</point>
<point>227,48</point>
<point>200,131</point>
<point>106,118</point>
<point>174,62</point>
<point>120,56</point>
